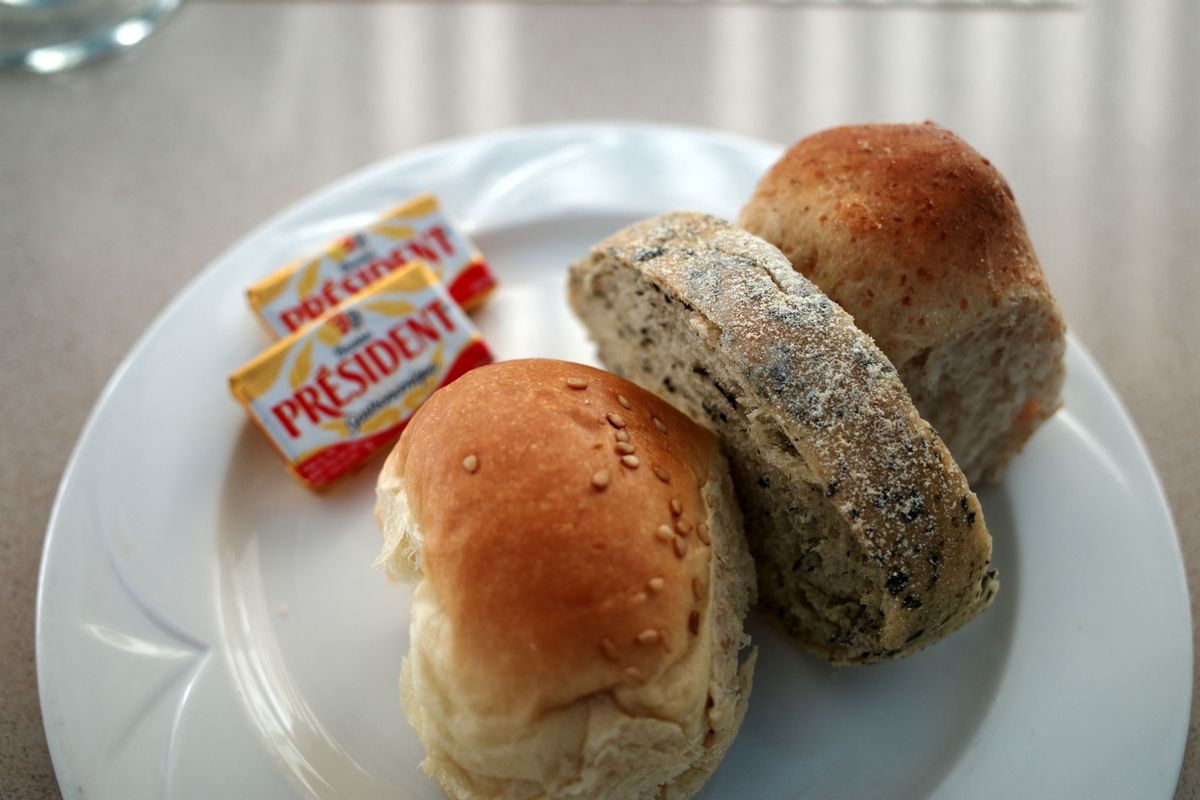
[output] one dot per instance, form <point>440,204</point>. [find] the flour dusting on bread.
<point>868,542</point>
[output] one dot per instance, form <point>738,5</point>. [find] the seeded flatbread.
<point>868,542</point>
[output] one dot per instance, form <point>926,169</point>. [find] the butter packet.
<point>419,229</point>
<point>335,392</point>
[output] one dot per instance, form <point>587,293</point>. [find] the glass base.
<point>47,36</point>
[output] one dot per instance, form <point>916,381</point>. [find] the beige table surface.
<point>120,182</point>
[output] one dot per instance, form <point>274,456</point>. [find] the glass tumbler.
<point>54,35</point>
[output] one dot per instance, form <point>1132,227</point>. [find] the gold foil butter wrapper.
<point>418,230</point>
<point>336,391</point>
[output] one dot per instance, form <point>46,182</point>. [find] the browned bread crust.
<point>581,555</point>
<point>869,543</point>
<point>918,236</point>
<point>529,536</point>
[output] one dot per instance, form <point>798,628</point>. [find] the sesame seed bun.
<point>581,581</point>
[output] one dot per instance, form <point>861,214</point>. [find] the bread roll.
<point>919,238</point>
<point>868,542</point>
<point>582,578</point>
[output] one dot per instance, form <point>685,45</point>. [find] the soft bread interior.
<point>401,553</point>
<point>810,565</point>
<point>988,389</point>
<point>661,740</point>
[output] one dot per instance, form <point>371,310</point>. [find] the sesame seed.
<point>648,636</point>
<point>635,673</point>
<point>676,506</point>
<point>655,584</point>
<point>665,533</point>
<point>702,532</point>
<point>680,546</point>
<point>640,597</point>
<point>471,463</point>
<point>577,383</point>
<point>609,648</point>
<point>658,423</point>
<point>616,420</point>
<point>662,474</point>
<point>698,589</point>
<point>625,447</point>
<point>622,436</point>
<point>600,479</point>
<point>630,461</point>
<point>683,526</point>
<point>621,399</point>
<point>694,622</point>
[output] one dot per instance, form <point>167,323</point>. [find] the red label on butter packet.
<point>333,393</point>
<point>419,229</point>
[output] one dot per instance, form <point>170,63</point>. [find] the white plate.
<point>207,628</point>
